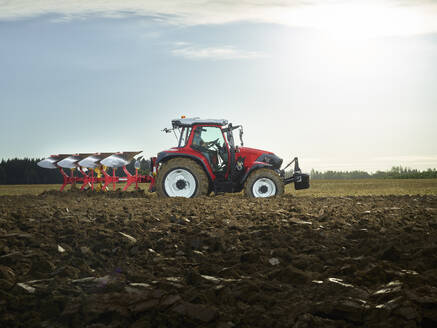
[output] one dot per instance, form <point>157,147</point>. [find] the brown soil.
<point>131,260</point>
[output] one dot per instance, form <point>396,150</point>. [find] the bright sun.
<point>354,21</point>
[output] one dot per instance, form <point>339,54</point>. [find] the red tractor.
<point>207,160</point>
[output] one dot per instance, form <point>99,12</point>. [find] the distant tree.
<point>25,171</point>
<point>2,174</point>
<point>339,174</point>
<point>396,172</point>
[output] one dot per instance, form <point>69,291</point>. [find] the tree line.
<point>26,171</point>
<point>396,172</point>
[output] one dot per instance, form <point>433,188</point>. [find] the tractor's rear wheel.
<point>181,177</point>
<point>263,183</point>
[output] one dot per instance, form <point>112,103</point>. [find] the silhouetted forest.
<point>25,171</point>
<point>396,172</point>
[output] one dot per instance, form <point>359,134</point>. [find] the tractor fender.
<point>255,166</point>
<point>165,156</point>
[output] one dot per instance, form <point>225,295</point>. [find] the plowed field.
<point>131,260</point>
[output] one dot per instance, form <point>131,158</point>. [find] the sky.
<point>342,84</point>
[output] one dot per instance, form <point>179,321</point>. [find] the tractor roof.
<point>195,120</point>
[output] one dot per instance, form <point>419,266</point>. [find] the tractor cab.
<point>206,157</point>
<point>211,140</point>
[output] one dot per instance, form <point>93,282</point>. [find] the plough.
<point>93,170</point>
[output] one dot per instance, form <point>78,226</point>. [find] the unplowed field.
<point>131,260</point>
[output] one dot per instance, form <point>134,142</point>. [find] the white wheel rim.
<point>264,187</point>
<point>180,183</point>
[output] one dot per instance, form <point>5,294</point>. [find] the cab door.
<point>210,142</point>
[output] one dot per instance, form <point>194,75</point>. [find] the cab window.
<point>209,141</point>
<point>185,134</point>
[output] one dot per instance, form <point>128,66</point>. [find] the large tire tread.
<point>183,163</point>
<point>263,173</point>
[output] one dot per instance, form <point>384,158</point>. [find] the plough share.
<point>93,170</point>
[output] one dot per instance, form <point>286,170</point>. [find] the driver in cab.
<point>199,144</point>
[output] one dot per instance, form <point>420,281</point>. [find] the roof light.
<point>183,116</point>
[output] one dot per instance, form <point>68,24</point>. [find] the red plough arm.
<point>93,166</point>
<point>89,179</point>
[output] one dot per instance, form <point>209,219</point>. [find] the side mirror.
<point>137,164</point>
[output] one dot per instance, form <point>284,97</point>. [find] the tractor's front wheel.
<point>263,183</point>
<point>181,177</point>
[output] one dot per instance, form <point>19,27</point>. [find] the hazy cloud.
<point>190,51</point>
<point>392,17</point>
<point>430,160</point>
<point>191,12</point>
